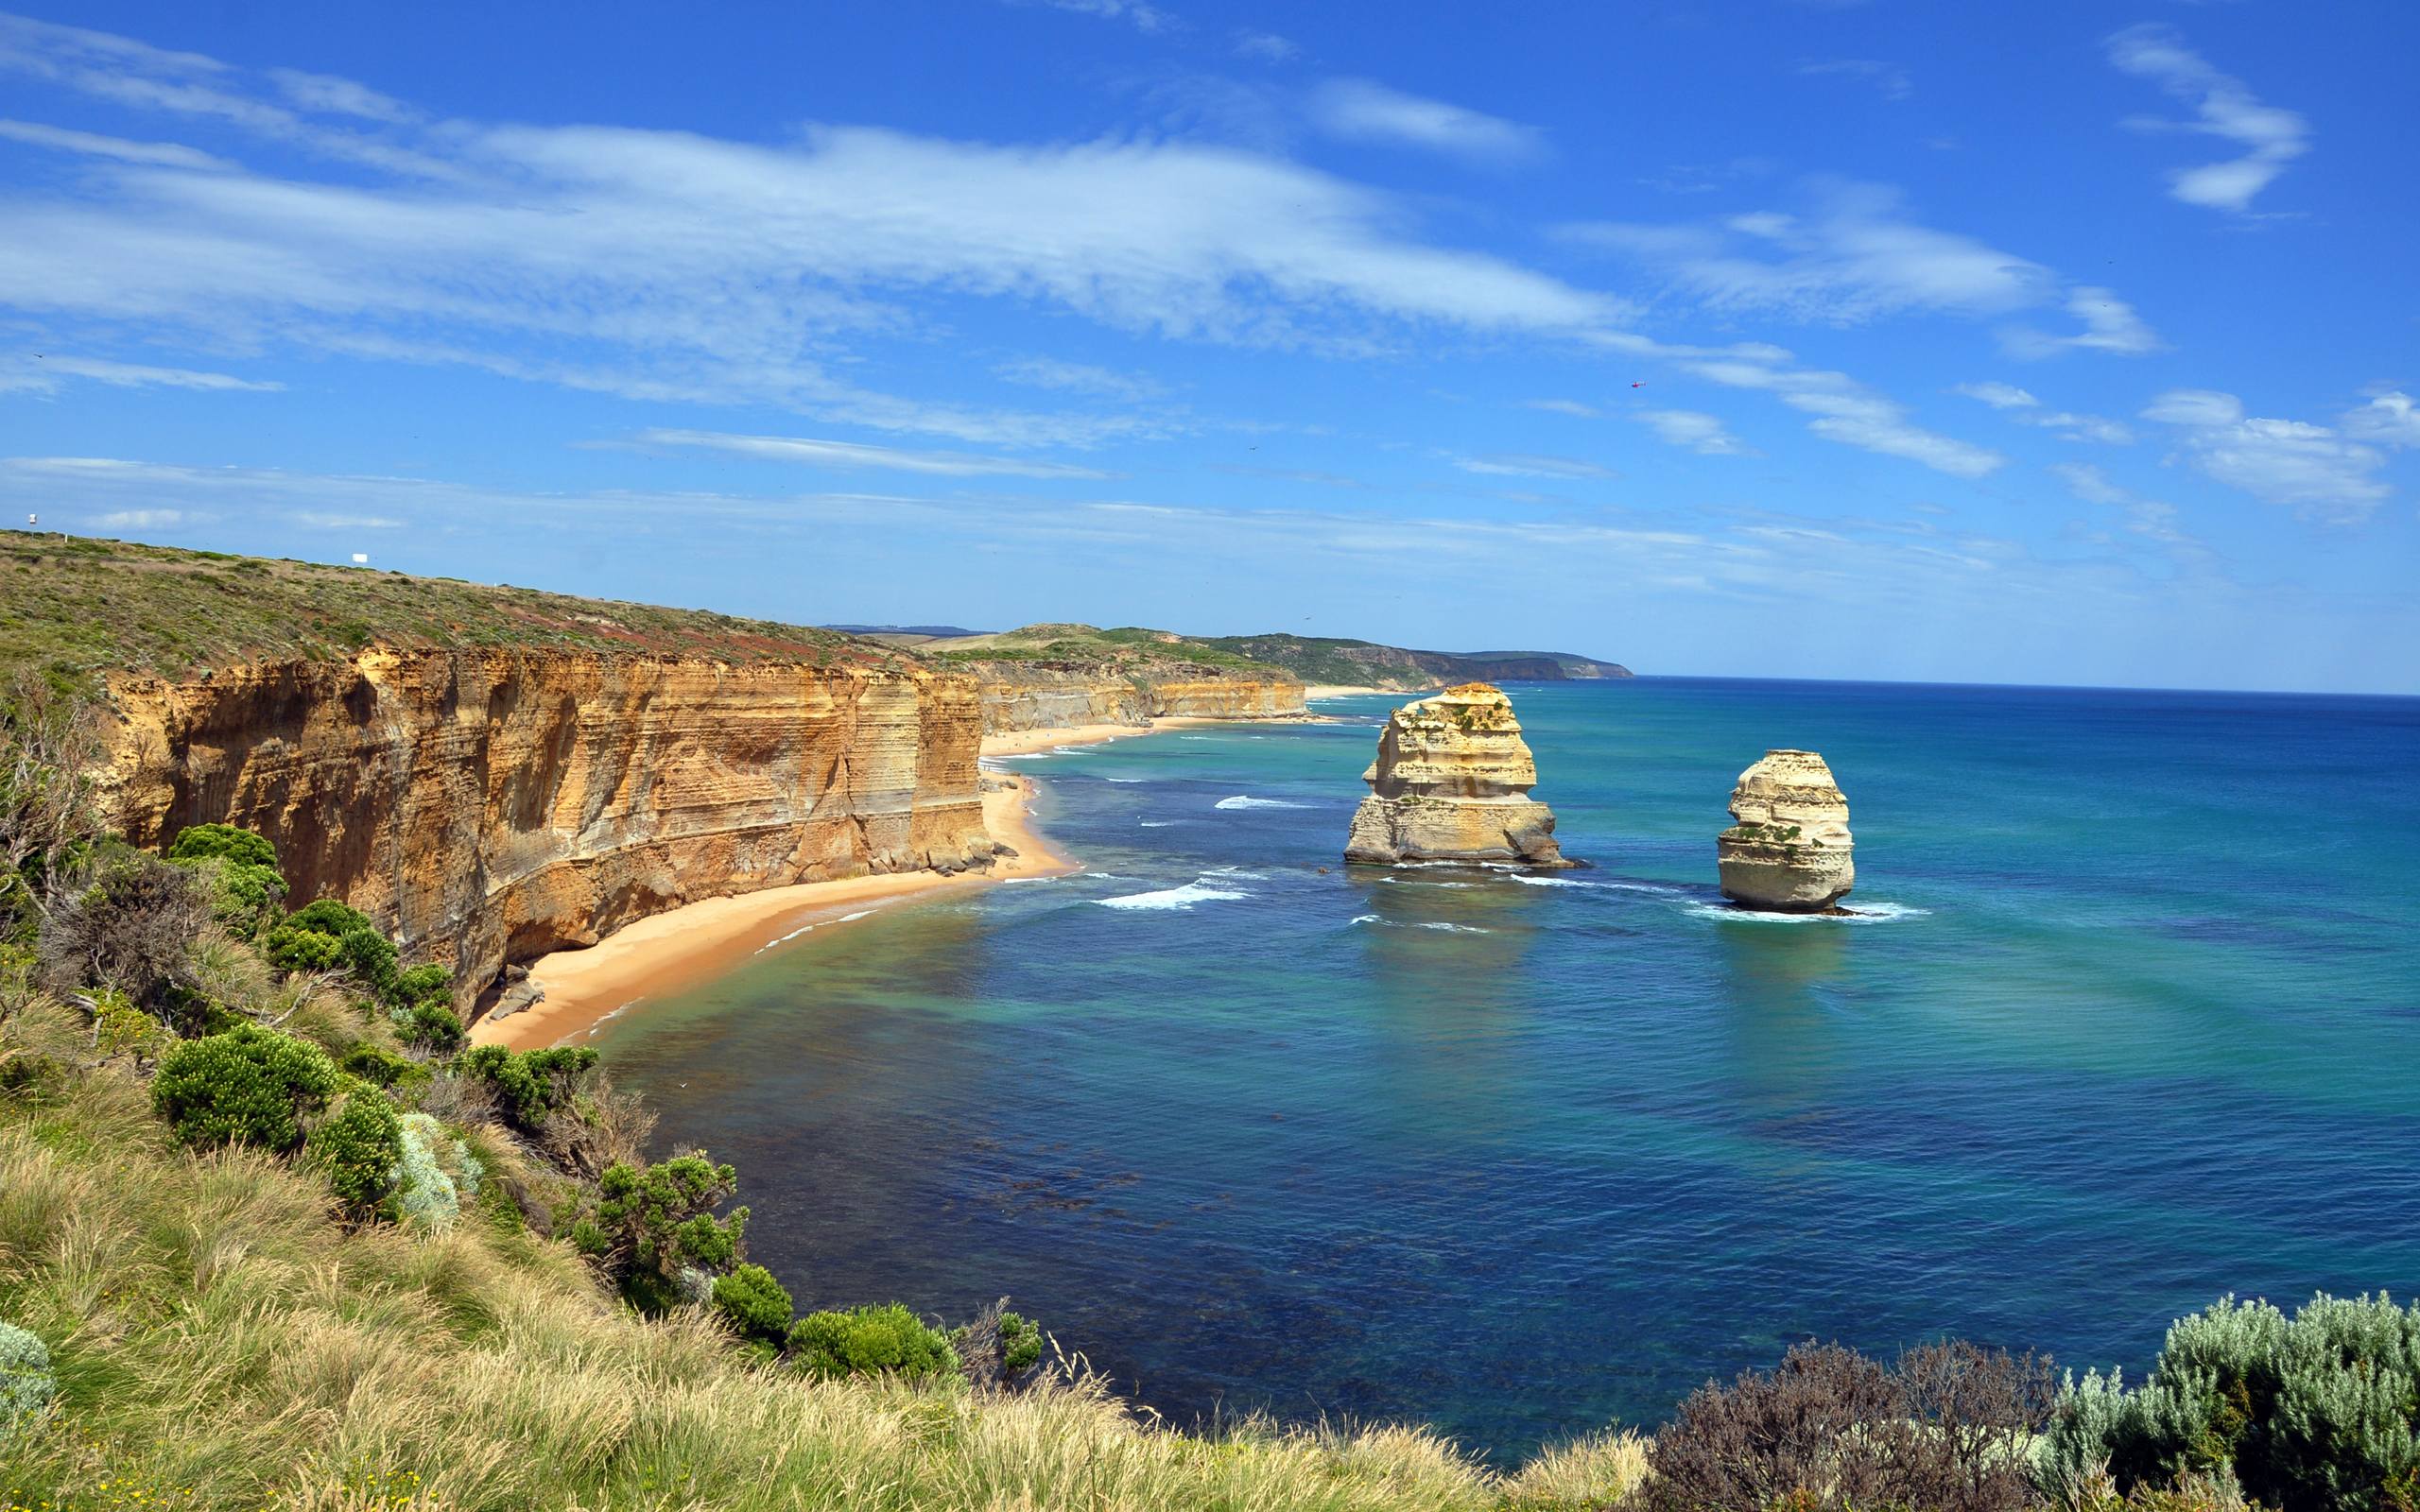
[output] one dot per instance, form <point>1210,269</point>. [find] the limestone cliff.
<point>490,805</point>
<point>1788,850</point>
<point>1452,783</point>
<point>1023,695</point>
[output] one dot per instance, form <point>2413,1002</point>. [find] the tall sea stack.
<point>1788,850</point>
<point>1452,783</point>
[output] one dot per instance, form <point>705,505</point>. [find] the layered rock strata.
<point>1788,849</point>
<point>1452,782</point>
<point>488,806</point>
<point>1024,697</point>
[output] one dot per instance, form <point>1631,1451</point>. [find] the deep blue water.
<point>2135,1021</point>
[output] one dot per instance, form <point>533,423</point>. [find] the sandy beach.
<point>670,952</point>
<point>673,951</point>
<point>1337,689</point>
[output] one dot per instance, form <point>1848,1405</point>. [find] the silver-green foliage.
<point>27,1385</point>
<point>437,1174</point>
<point>2319,1410</point>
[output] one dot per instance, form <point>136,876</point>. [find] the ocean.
<point>2130,1019</point>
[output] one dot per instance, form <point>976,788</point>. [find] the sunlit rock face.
<point>487,807</point>
<point>1452,783</point>
<point>1788,850</point>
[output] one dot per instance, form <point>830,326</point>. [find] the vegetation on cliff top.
<point>76,607</point>
<point>1126,652</point>
<point>1318,659</point>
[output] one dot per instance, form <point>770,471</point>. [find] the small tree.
<point>654,1222</point>
<point>870,1341</point>
<point>123,918</point>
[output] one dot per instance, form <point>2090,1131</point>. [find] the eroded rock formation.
<point>490,806</point>
<point>1788,850</point>
<point>1452,783</point>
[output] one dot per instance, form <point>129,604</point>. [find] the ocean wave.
<point>1864,913</point>
<point>1549,882</point>
<point>1238,873</point>
<point>1440,925</point>
<point>1199,890</point>
<point>1423,882</point>
<point>1157,824</point>
<point>1124,779</point>
<point>1243,800</point>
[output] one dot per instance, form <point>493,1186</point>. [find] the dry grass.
<point>223,1342</point>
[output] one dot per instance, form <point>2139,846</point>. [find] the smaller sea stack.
<point>1788,850</point>
<point>1452,783</point>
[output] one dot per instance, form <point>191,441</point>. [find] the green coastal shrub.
<point>248,1086</point>
<point>120,1028</point>
<point>754,1304</point>
<point>240,869</point>
<point>201,842</point>
<point>359,1149</point>
<point>1020,1342</point>
<point>27,1385</point>
<point>530,1084</point>
<point>2319,1411</point>
<point>431,1027</point>
<point>651,1223</point>
<point>868,1341</point>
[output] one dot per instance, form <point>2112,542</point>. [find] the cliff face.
<point>488,806</point>
<point>1452,783</point>
<point>1790,850</point>
<point>1021,696</point>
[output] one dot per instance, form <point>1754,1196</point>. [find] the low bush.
<point>872,1341</point>
<point>431,1027</point>
<point>654,1222</point>
<point>120,1028</point>
<point>528,1084</point>
<point>755,1304</point>
<point>201,842</point>
<point>359,1147</point>
<point>126,919</point>
<point>2319,1411</point>
<point>27,1384</point>
<point>1950,1430</point>
<point>997,1346</point>
<point>248,1086</point>
<point>436,1175</point>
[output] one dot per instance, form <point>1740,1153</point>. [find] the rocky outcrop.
<point>1021,695</point>
<point>488,806</point>
<point>1788,850</point>
<point>1452,783</point>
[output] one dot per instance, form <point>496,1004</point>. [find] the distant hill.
<point>1365,663</point>
<point>1128,649</point>
<point>907,634</point>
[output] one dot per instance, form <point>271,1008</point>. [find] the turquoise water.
<point>2135,1021</point>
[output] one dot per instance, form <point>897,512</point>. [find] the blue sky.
<point>2070,342</point>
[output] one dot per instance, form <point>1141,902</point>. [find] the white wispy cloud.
<point>1531,465</point>
<point>1998,395</point>
<point>2149,518</point>
<point>2222,107</point>
<point>1079,378</point>
<point>1694,429</point>
<point>326,520</point>
<point>1361,110</point>
<point>1889,79</point>
<point>1142,17</point>
<point>148,519</point>
<point>2110,325</point>
<point>1856,254</point>
<point>813,453</point>
<point>1266,47</point>
<point>2315,470</point>
<point>90,143</point>
<point>2390,417</point>
<point>47,373</point>
<point>1845,411</point>
<point>1562,406</point>
<point>2025,409</point>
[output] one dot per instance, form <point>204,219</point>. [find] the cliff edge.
<point>1451,783</point>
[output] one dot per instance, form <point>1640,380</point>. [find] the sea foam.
<point>1199,890</point>
<point>1243,800</point>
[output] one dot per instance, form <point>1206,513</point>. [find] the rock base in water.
<point>1790,850</point>
<point>1452,783</point>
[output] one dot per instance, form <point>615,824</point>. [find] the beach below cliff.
<point>696,942</point>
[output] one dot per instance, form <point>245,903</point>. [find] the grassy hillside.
<point>222,1340</point>
<point>1366,663</point>
<point>78,605</point>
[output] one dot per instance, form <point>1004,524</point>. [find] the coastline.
<point>696,942</point>
<point>1346,690</point>
<point>681,947</point>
